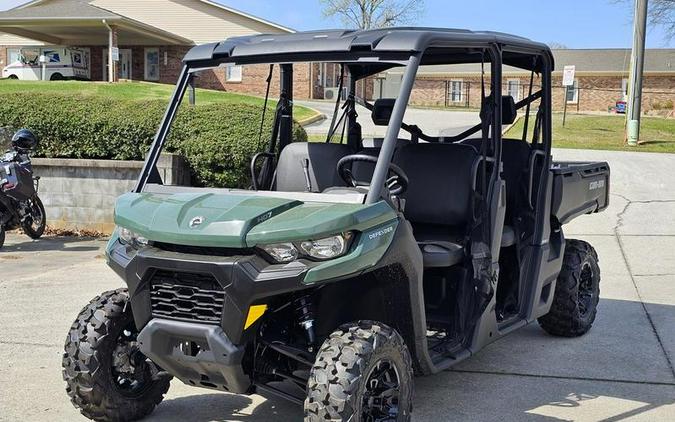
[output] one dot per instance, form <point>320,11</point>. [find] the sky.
<point>573,23</point>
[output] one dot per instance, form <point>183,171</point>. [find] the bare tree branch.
<point>661,13</point>
<point>557,45</point>
<point>367,14</point>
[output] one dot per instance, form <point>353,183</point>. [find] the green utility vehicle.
<point>348,266</point>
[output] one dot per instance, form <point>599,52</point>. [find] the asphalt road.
<point>433,122</point>
<point>621,370</point>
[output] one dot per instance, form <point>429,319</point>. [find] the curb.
<point>313,119</point>
<point>515,122</point>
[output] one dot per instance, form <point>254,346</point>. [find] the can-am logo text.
<point>598,184</point>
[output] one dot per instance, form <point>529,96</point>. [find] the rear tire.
<point>577,292</point>
<point>34,226</point>
<point>107,378</point>
<point>57,77</point>
<point>2,235</point>
<point>362,372</point>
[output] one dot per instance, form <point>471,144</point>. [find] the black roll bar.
<point>163,132</point>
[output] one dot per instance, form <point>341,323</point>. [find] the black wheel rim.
<point>586,293</point>
<point>381,395</point>
<point>36,217</point>
<point>131,372</point>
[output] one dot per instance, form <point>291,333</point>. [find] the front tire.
<point>2,236</point>
<point>34,225</point>
<point>363,372</point>
<point>106,376</point>
<point>577,292</point>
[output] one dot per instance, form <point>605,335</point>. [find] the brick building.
<point>601,80</point>
<point>152,36</point>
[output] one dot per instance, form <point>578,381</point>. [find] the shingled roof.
<point>597,61</point>
<point>64,9</point>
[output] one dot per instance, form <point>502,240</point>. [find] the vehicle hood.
<point>240,220</point>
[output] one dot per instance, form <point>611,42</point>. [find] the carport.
<point>77,23</point>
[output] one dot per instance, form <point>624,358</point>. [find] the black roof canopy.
<point>441,46</point>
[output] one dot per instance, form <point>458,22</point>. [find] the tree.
<point>367,14</point>
<point>661,13</point>
<point>557,45</point>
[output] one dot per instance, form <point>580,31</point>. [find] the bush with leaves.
<point>217,139</point>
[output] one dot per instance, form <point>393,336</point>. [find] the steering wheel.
<point>397,180</point>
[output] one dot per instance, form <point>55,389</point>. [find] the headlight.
<point>326,248</point>
<point>321,249</point>
<point>130,238</point>
<point>281,252</point>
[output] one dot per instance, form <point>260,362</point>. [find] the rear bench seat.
<point>438,199</point>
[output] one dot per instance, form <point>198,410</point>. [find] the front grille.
<point>186,296</point>
<point>202,250</point>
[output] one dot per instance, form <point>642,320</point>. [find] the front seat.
<point>309,166</point>
<point>438,199</point>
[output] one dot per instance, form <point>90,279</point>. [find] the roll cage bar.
<point>415,131</point>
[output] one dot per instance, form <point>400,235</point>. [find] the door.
<point>124,64</point>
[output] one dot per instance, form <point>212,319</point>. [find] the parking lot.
<point>621,370</point>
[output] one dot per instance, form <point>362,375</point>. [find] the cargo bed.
<point>579,188</point>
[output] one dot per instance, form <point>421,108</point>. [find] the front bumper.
<point>197,354</point>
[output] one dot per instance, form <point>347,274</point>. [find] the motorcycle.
<point>20,206</point>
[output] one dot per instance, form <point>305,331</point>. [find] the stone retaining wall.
<point>81,194</point>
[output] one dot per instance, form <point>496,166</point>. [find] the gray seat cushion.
<point>438,199</point>
<point>508,237</point>
<point>441,253</point>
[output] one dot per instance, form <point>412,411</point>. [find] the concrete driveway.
<point>621,370</point>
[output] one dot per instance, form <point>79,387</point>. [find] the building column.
<point>113,68</point>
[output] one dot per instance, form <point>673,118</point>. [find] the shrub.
<point>217,140</point>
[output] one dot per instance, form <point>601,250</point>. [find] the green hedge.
<point>217,140</point>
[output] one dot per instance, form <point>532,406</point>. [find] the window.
<point>152,64</point>
<point>573,92</point>
<point>53,56</point>
<point>456,91</point>
<point>513,89</point>
<point>13,55</point>
<point>233,73</point>
<point>30,56</point>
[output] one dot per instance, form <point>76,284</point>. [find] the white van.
<point>61,63</point>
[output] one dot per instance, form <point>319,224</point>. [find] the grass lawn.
<point>607,132</point>
<point>138,90</point>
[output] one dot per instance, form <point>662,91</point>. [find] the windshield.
<point>219,132</point>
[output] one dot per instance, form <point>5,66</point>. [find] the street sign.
<point>115,53</point>
<point>568,75</point>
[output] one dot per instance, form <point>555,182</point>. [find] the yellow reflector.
<point>254,313</point>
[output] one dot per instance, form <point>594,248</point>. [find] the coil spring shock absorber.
<point>305,311</point>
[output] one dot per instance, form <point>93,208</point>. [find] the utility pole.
<point>637,66</point>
